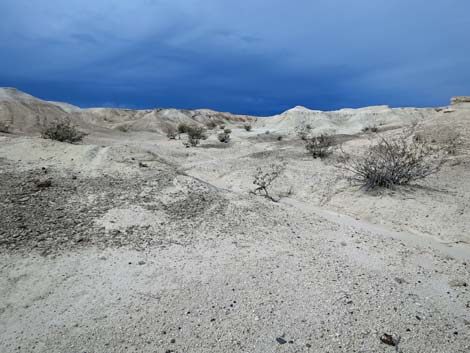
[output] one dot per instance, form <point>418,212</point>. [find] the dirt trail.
<point>456,250</point>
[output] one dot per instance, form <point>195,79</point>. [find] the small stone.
<point>141,262</point>
<point>457,283</point>
<point>388,339</point>
<point>281,340</point>
<point>43,183</point>
<point>400,280</point>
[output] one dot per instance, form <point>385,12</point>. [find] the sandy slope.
<point>143,245</point>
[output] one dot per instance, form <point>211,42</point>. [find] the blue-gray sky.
<point>248,56</point>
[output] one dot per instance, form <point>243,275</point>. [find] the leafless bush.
<point>393,161</point>
<point>211,125</point>
<point>123,128</point>
<point>247,127</point>
<point>4,127</point>
<point>452,142</point>
<point>171,132</point>
<point>224,136</point>
<point>195,135</point>
<point>264,179</point>
<point>182,128</point>
<point>319,146</point>
<point>63,132</point>
<point>303,131</point>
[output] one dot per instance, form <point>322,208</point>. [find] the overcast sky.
<point>258,56</point>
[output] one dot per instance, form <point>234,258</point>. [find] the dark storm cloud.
<point>256,56</point>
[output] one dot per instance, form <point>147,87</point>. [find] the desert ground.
<point>131,242</point>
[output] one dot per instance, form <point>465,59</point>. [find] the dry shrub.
<point>63,132</point>
<point>397,160</point>
<point>370,128</point>
<point>211,125</point>
<point>195,135</point>
<point>319,146</point>
<point>247,127</point>
<point>303,131</point>
<point>171,132</point>
<point>264,179</point>
<point>224,137</point>
<point>123,128</point>
<point>4,127</point>
<point>182,128</point>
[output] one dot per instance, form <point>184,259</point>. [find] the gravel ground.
<point>169,261</point>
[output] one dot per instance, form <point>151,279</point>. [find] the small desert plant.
<point>63,132</point>
<point>371,128</point>
<point>319,146</point>
<point>247,127</point>
<point>452,142</point>
<point>223,137</point>
<point>211,125</point>
<point>182,128</point>
<point>303,131</point>
<point>264,179</point>
<point>171,132</point>
<point>222,127</point>
<point>195,135</point>
<point>4,127</point>
<point>123,128</point>
<point>279,138</point>
<point>393,161</point>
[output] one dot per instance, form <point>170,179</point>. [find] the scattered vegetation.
<point>211,125</point>
<point>397,160</point>
<point>171,132</point>
<point>195,135</point>
<point>224,137</point>
<point>303,131</point>
<point>63,132</point>
<point>371,128</point>
<point>222,127</point>
<point>264,179</point>
<point>182,128</point>
<point>123,128</point>
<point>453,140</point>
<point>319,146</point>
<point>247,127</point>
<point>4,127</point>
